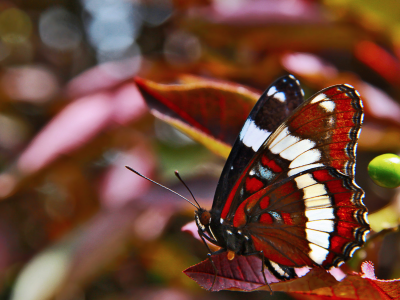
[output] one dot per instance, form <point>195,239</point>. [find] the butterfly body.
<point>287,191</point>
<point>226,236</point>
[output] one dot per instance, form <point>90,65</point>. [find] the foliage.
<point>76,224</point>
<point>244,273</point>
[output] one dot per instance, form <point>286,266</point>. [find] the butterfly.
<point>287,192</point>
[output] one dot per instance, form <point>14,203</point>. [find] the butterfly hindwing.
<point>315,217</point>
<point>322,132</point>
<point>274,106</point>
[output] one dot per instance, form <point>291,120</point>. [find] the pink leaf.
<point>70,129</point>
<point>79,122</point>
<point>128,104</point>
<point>368,269</point>
<point>119,185</point>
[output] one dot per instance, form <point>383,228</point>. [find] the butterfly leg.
<point>210,253</point>
<point>260,254</point>
<point>215,271</point>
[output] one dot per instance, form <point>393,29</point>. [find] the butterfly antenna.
<point>137,173</point>
<point>179,177</point>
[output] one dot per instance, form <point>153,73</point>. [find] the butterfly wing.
<point>322,132</point>
<point>296,198</point>
<point>315,217</point>
<point>274,106</point>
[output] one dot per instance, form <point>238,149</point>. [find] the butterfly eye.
<point>205,218</point>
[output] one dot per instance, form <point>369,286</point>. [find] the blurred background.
<point>74,223</point>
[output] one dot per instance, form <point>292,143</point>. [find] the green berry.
<point>385,170</point>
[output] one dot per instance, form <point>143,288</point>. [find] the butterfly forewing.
<point>315,217</point>
<point>274,106</point>
<point>325,131</point>
<point>322,132</point>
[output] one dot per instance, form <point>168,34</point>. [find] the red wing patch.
<point>246,207</point>
<point>287,219</point>
<point>270,164</point>
<point>253,184</point>
<point>231,196</point>
<point>266,219</point>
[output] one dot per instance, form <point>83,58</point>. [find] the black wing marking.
<point>274,106</point>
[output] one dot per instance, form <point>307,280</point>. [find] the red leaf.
<point>211,112</point>
<point>391,288</point>
<point>379,59</point>
<point>242,273</point>
<point>353,286</point>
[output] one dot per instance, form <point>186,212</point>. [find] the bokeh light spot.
<point>59,29</point>
<point>156,12</point>
<point>15,26</point>
<point>181,47</point>
<point>13,132</point>
<point>30,84</point>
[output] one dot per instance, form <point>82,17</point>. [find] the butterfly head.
<point>203,222</point>
<point>203,218</point>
